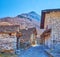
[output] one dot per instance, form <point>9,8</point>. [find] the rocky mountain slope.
<point>25,20</point>
<point>31,15</point>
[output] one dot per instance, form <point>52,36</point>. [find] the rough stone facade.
<point>8,37</point>
<point>7,42</point>
<point>52,21</point>
<point>26,34</point>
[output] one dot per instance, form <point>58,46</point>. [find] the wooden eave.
<point>43,12</point>
<point>46,33</point>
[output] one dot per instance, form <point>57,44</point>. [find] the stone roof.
<point>5,23</point>
<point>9,28</point>
<point>50,10</point>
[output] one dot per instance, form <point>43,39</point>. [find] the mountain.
<point>31,15</point>
<point>34,15</point>
<point>25,20</point>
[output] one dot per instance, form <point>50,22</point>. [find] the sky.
<point>15,7</point>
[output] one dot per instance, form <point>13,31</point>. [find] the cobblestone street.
<point>36,51</point>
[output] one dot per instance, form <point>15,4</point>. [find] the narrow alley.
<point>35,51</point>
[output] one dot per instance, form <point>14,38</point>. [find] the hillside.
<point>25,20</point>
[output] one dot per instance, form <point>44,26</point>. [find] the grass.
<point>8,55</point>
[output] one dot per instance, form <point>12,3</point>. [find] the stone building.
<point>45,37</point>
<point>8,37</point>
<point>27,36</point>
<point>50,19</point>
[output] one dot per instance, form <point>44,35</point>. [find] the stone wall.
<point>50,17</point>
<point>7,42</point>
<point>52,20</point>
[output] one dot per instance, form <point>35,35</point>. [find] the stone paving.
<point>36,51</point>
<point>53,53</point>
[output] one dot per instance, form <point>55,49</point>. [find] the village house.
<point>27,37</point>
<point>50,22</point>
<point>8,37</point>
